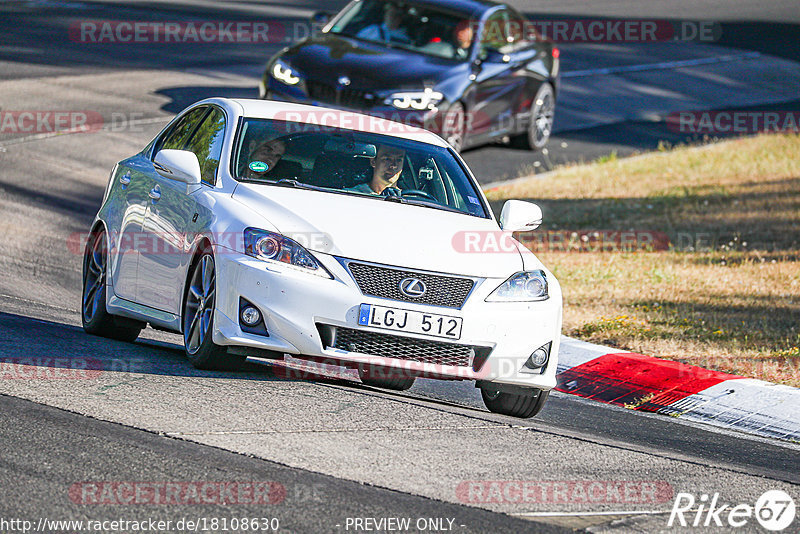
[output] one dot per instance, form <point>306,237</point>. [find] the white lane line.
<point>662,65</point>
<point>498,426</point>
<point>584,514</point>
<point>28,301</point>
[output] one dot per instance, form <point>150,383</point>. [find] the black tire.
<point>454,126</point>
<point>198,319</point>
<point>94,316</point>
<point>540,127</point>
<point>522,406</point>
<point>382,377</point>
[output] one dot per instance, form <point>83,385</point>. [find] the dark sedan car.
<point>473,71</point>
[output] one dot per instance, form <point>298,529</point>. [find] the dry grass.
<point>727,296</point>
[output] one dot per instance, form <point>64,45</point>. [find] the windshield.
<point>416,28</point>
<point>374,166</point>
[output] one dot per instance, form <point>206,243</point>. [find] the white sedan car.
<point>259,228</point>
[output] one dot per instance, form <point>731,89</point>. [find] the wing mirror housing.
<point>180,165</point>
<point>520,216</point>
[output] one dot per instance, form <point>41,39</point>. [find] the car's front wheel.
<point>540,127</point>
<point>382,377</point>
<point>198,318</point>
<point>94,315</point>
<point>523,406</point>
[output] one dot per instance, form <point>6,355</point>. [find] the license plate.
<point>429,324</point>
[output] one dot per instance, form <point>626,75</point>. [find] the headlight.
<point>284,73</point>
<point>522,287</point>
<point>269,246</point>
<point>420,100</point>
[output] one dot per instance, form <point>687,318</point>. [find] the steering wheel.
<point>418,193</point>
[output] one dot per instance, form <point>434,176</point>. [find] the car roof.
<point>349,120</point>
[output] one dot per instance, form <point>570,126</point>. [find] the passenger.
<point>463,36</point>
<point>264,158</point>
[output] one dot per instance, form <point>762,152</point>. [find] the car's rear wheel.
<point>198,318</point>
<point>523,406</point>
<point>382,377</point>
<point>94,315</point>
<point>455,126</point>
<point>543,109</point>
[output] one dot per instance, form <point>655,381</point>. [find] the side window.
<point>495,33</point>
<point>206,143</point>
<point>520,31</point>
<point>177,136</point>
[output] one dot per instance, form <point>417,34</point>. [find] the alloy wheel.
<point>199,304</point>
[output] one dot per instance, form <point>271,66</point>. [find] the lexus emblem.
<point>344,80</point>
<point>412,287</point>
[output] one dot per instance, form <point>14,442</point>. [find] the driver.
<point>264,157</point>
<point>390,29</point>
<point>386,168</point>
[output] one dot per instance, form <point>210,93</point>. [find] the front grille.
<point>406,348</point>
<point>344,96</point>
<point>377,281</point>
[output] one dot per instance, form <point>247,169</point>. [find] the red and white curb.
<point>692,393</point>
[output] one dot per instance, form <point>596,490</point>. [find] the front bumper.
<point>301,311</point>
<point>431,120</point>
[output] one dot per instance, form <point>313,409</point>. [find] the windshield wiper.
<point>290,182</point>
<point>430,204</point>
<point>392,198</point>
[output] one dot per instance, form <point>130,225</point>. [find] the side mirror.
<point>520,216</point>
<point>180,165</point>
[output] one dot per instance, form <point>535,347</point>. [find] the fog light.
<point>539,357</point>
<point>250,316</point>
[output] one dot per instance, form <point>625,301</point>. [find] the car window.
<point>206,143</point>
<point>177,136</point>
<point>423,29</point>
<point>343,161</point>
<point>520,31</point>
<point>495,33</point>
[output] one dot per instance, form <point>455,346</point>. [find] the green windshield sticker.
<point>258,166</point>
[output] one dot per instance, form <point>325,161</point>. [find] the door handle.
<point>125,179</point>
<point>155,193</point>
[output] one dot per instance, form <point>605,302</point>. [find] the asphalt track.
<point>96,410</point>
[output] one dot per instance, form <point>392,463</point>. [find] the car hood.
<point>378,231</point>
<point>370,66</point>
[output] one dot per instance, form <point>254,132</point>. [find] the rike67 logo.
<point>774,510</point>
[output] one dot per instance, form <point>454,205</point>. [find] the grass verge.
<point>726,295</point>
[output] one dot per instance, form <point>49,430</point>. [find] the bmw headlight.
<point>283,73</point>
<point>522,287</point>
<point>269,246</point>
<point>419,100</point>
